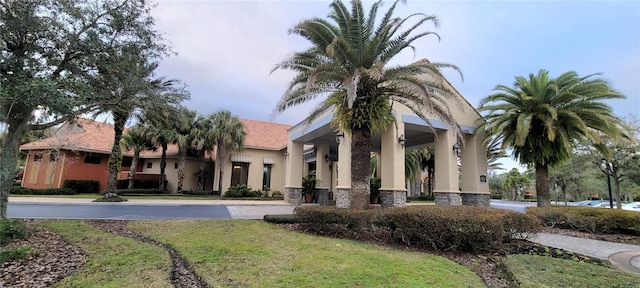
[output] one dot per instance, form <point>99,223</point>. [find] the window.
<point>92,160</point>
<point>239,173</point>
<point>37,158</point>
<point>266,177</point>
<point>126,161</point>
<point>149,165</point>
<point>175,165</point>
<point>53,157</point>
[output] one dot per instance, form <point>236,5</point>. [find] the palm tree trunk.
<point>163,167</point>
<point>542,185</point>
<point>115,158</point>
<point>201,173</point>
<point>220,157</point>
<point>618,197</point>
<point>132,169</point>
<point>360,157</point>
<point>181,160</point>
<point>9,160</point>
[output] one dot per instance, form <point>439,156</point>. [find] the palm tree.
<point>137,139</point>
<point>494,153</point>
<point>227,133</point>
<point>125,86</point>
<point>348,66</point>
<point>183,137</point>
<point>202,142</point>
<point>541,119</point>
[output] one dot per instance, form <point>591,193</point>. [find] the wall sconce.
<point>286,154</point>
<point>402,140</point>
<point>456,149</point>
<point>338,136</point>
<point>326,158</point>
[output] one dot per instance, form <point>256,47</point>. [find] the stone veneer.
<point>447,198</point>
<point>322,196</point>
<point>393,198</point>
<point>342,197</point>
<point>293,195</point>
<point>474,199</point>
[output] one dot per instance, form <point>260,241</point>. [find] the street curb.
<point>622,260</point>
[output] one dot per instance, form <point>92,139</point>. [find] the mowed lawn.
<point>258,254</point>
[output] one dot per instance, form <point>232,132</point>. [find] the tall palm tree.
<point>137,139</point>
<point>494,153</point>
<point>183,137</point>
<point>541,119</point>
<point>125,87</point>
<point>348,66</point>
<point>203,143</point>
<point>227,133</point>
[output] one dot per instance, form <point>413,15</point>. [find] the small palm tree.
<point>137,139</point>
<point>227,133</point>
<point>541,119</point>
<point>348,66</point>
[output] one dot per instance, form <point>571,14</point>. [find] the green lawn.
<point>113,261</point>
<point>538,271</point>
<point>257,254</point>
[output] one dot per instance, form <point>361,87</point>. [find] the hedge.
<point>459,228</point>
<point>589,219</point>
<point>17,190</point>
<point>281,218</point>
<point>82,186</point>
<point>134,192</point>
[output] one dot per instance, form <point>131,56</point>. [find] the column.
<point>392,192</point>
<point>472,158</point>
<point>293,178</point>
<point>323,174</point>
<point>446,169</point>
<point>343,188</point>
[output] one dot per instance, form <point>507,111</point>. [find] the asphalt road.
<point>512,205</point>
<point>116,211</point>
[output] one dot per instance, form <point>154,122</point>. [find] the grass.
<point>539,271</point>
<point>257,254</point>
<point>7,255</point>
<point>113,261</point>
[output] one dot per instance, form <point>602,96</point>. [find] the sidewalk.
<point>624,256</point>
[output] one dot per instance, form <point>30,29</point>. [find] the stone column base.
<point>293,195</point>
<point>322,196</point>
<point>343,197</point>
<point>393,198</point>
<point>447,198</point>
<point>476,199</point>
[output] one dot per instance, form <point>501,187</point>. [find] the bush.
<point>459,228</point>
<point>16,190</point>
<point>281,218</point>
<point>134,192</point>
<point>83,186</point>
<point>242,191</point>
<point>276,194</point>
<point>140,184</point>
<point>11,229</point>
<point>15,254</point>
<point>589,219</point>
<point>199,193</point>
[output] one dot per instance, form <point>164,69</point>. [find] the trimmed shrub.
<point>83,186</point>
<point>16,190</point>
<point>15,254</point>
<point>136,192</point>
<point>140,184</point>
<point>11,229</point>
<point>459,228</point>
<point>198,193</point>
<point>589,219</point>
<point>241,191</point>
<point>281,218</point>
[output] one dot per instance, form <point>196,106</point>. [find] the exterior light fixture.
<point>326,158</point>
<point>456,149</point>
<point>338,136</point>
<point>286,154</point>
<point>402,140</point>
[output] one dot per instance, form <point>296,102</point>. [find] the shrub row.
<point>17,190</point>
<point>11,229</point>
<point>589,219</point>
<point>135,192</point>
<point>281,218</point>
<point>459,228</point>
<point>139,184</point>
<point>82,186</point>
<point>244,191</point>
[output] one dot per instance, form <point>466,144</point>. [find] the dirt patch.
<point>182,274</point>
<point>55,259</point>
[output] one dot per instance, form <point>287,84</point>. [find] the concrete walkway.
<point>624,256</point>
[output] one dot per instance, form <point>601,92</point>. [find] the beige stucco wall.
<point>256,167</point>
<point>190,173</point>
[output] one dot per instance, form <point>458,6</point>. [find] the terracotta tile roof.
<point>97,137</point>
<point>83,135</point>
<point>265,135</point>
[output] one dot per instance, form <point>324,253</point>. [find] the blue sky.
<point>226,49</point>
